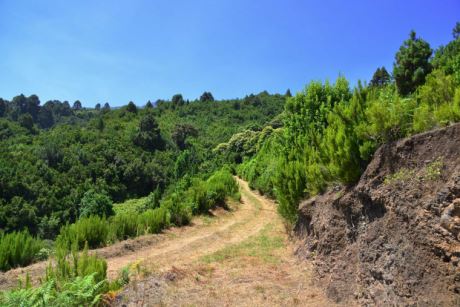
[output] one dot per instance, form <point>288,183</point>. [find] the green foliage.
<point>81,291</point>
<point>153,200</point>
<point>412,64</point>
<point>44,176</point>
<point>330,134</point>
<point>2,107</point>
<point>261,171</point>
<point>177,101</point>
<point>380,78</point>
<point>180,134</point>
<point>77,279</point>
<point>439,102</point>
<point>388,117</point>
<point>18,249</point>
<point>402,175</point>
<point>447,58</point>
<point>93,230</point>
<point>131,107</point>
<point>148,135</point>
<point>206,96</point>
<point>198,196</point>
<point>94,203</point>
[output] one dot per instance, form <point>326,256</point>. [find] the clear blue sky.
<point>117,51</point>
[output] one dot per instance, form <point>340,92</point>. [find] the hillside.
<point>121,153</point>
<point>393,237</point>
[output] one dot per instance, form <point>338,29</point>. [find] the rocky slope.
<point>394,237</point>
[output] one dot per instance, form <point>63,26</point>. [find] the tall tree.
<point>26,121</point>
<point>106,107</point>
<point>288,93</point>
<point>149,105</point>
<point>412,64</point>
<point>45,117</point>
<point>2,107</point>
<point>456,30</point>
<point>77,105</point>
<point>180,134</point>
<point>97,106</point>
<point>206,96</point>
<point>148,135</point>
<point>22,104</point>
<point>381,77</point>
<point>131,107</point>
<point>177,101</point>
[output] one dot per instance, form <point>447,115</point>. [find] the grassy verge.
<point>262,246</point>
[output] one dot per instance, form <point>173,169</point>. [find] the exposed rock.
<point>393,239</point>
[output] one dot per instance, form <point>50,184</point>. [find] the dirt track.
<point>244,259</point>
<point>183,246</point>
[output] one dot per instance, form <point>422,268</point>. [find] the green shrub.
<point>76,264</point>
<point>81,291</point>
<point>18,249</point>
<point>153,221</point>
<point>94,203</point>
<point>220,185</point>
<point>94,230</point>
<point>180,212</point>
<point>123,226</point>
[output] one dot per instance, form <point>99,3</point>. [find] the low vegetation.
<point>18,249</point>
<point>262,246</point>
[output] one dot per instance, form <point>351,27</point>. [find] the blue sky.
<point>140,50</point>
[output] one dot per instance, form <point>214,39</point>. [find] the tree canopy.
<point>412,64</point>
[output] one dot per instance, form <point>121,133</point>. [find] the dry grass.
<point>241,259</point>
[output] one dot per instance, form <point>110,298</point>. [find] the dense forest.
<point>63,167</point>
<point>53,155</point>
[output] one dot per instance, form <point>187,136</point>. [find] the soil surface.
<point>394,238</point>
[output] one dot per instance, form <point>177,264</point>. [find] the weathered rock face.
<point>394,237</point>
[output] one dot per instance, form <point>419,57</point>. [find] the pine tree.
<point>412,64</point>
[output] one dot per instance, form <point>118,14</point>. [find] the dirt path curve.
<point>245,259</point>
<point>186,246</point>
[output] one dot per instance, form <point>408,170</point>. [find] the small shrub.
<point>123,226</point>
<point>401,175</point>
<point>94,203</point>
<point>180,213</point>
<point>153,221</point>
<point>18,249</point>
<point>433,169</point>
<point>81,291</point>
<point>94,230</point>
<point>74,264</point>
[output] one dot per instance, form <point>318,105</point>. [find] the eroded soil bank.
<point>393,238</point>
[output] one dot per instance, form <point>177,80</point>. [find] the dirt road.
<point>242,259</point>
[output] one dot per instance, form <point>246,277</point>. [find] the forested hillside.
<point>331,130</point>
<point>56,158</point>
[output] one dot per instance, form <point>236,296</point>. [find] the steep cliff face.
<point>394,238</point>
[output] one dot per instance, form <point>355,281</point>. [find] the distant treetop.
<point>131,107</point>
<point>206,96</point>
<point>380,78</point>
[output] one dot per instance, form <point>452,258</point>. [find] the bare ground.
<point>246,262</point>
